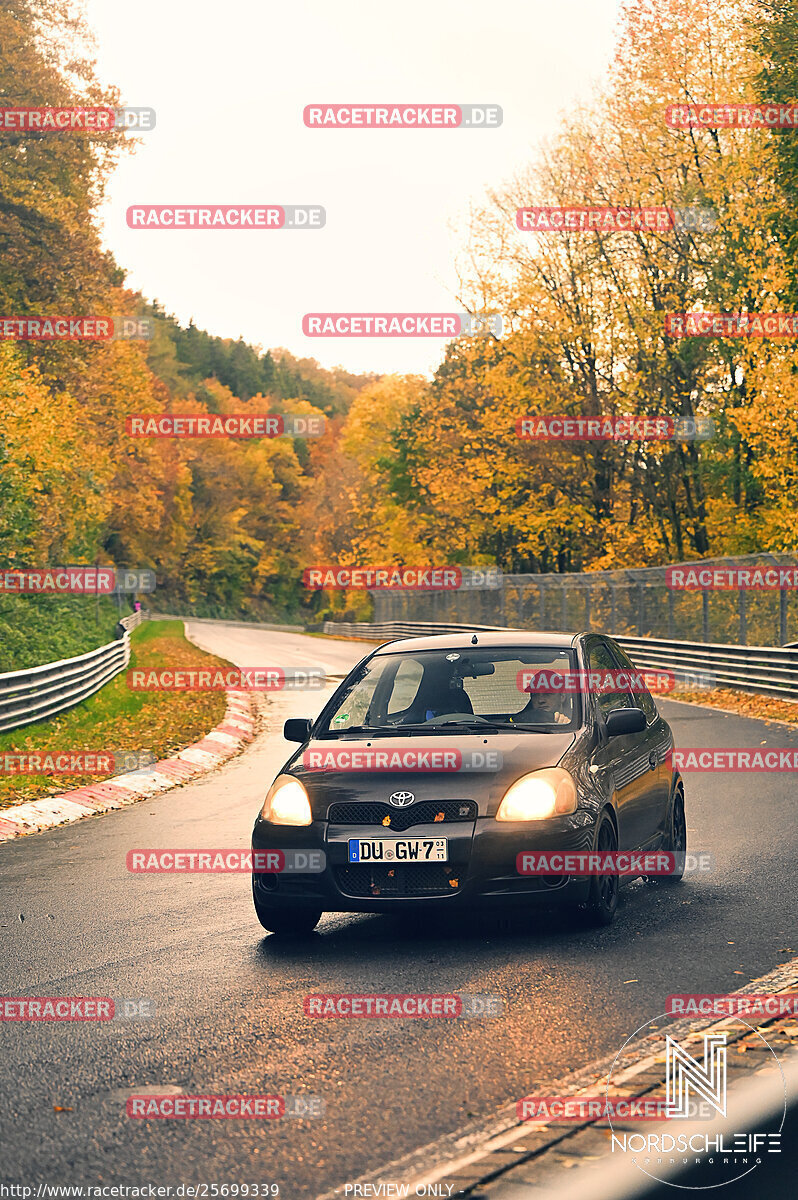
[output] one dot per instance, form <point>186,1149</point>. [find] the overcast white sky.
<point>229,82</point>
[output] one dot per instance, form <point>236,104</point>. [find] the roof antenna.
<point>474,640</point>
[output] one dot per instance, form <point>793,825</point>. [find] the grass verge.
<point>41,629</point>
<point>118,719</point>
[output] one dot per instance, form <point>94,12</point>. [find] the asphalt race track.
<point>228,999</point>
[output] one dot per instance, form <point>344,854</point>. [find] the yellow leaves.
<point>47,455</point>
<point>374,413</point>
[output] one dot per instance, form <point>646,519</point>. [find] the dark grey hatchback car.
<point>438,760</point>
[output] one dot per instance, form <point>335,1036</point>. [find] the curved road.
<point>228,999</point>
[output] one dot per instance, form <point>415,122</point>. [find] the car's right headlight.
<point>286,803</point>
<point>539,795</point>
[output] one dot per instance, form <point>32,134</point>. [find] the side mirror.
<point>297,729</point>
<point>625,720</point>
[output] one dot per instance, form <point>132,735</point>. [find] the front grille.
<point>405,879</point>
<point>425,812</point>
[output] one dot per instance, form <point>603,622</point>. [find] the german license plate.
<point>382,850</point>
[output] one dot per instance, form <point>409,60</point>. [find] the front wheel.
<point>675,841</point>
<point>297,921</point>
<point>602,900</point>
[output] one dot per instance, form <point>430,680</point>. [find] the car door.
<point>625,757</point>
<point>659,741</point>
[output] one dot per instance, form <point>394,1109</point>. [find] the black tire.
<point>602,901</point>
<point>675,841</point>
<point>298,921</point>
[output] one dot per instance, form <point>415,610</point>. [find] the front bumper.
<point>480,871</point>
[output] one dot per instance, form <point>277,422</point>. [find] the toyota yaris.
<point>439,760</point>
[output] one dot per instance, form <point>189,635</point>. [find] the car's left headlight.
<point>286,803</point>
<point>541,794</point>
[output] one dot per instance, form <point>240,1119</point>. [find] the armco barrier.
<point>766,670</point>
<point>159,616</point>
<point>388,630</point>
<point>40,692</point>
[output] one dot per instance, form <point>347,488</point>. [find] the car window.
<point>641,693</point>
<point>405,685</point>
<point>525,685</point>
<point>355,702</point>
<point>503,691</point>
<point>600,658</point>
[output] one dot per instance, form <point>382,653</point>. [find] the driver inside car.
<point>545,708</point>
<point>446,694</point>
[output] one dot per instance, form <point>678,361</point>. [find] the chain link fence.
<point>637,602</point>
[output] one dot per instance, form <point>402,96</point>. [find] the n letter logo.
<point>684,1073</point>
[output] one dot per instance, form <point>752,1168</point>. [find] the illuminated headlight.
<point>542,794</point>
<point>286,803</point>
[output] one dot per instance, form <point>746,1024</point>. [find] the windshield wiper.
<point>495,726</point>
<point>447,726</point>
<point>476,727</point>
<point>372,731</point>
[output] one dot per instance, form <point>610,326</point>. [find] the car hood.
<point>507,756</point>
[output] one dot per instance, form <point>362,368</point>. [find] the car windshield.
<point>478,690</point>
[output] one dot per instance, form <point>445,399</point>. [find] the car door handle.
<point>653,760</point>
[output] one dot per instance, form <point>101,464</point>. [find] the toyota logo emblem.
<point>401,799</point>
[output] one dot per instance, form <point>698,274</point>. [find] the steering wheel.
<point>443,717</point>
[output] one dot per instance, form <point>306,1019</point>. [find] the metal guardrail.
<point>765,670</point>
<point>133,619</point>
<point>40,692</point>
<point>159,616</point>
<point>387,630</point>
